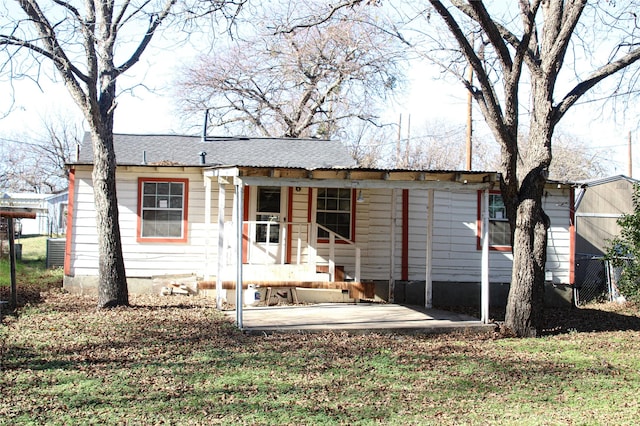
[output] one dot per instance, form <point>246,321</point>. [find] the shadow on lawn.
<point>595,318</point>
<point>589,320</point>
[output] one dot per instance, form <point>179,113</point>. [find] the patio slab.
<point>357,318</point>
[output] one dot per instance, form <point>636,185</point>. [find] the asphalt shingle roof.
<point>308,154</point>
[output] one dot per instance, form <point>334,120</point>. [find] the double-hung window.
<point>499,229</point>
<point>162,209</point>
<point>334,211</point>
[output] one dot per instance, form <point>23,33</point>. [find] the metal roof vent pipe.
<point>203,158</point>
<point>206,123</point>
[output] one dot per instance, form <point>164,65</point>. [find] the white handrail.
<point>297,229</point>
<point>332,239</point>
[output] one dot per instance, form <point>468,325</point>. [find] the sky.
<point>141,110</point>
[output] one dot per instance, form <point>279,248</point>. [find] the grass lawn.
<point>32,277</point>
<point>176,360</point>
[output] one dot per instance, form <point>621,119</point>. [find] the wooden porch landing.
<point>357,318</point>
<point>357,290</point>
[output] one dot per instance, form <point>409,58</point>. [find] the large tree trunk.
<point>525,304</point>
<point>112,280</point>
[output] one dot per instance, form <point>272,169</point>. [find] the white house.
<point>51,211</point>
<point>300,213</point>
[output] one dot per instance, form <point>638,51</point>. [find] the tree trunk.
<point>112,281</point>
<point>526,297</point>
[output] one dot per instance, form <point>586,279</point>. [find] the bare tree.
<point>304,83</point>
<point>573,160</point>
<point>79,42</point>
<point>521,56</point>
<point>442,146</point>
<point>36,162</point>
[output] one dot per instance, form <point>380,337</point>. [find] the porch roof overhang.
<point>354,178</point>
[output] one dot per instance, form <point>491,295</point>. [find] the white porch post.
<point>207,226</point>
<point>332,257</point>
<point>428,285</point>
<point>238,198</point>
<point>221,243</point>
<point>484,292</point>
<point>392,248</point>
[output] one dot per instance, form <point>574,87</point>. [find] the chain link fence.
<point>596,280</point>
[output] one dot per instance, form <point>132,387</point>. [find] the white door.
<point>268,207</point>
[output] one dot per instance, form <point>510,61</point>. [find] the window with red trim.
<point>334,211</point>
<point>499,229</point>
<point>162,209</point>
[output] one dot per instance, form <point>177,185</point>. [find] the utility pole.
<point>406,145</point>
<point>630,157</point>
<point>469,122</point>
<point>398,142</point>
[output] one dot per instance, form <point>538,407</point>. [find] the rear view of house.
<point>299,213</point>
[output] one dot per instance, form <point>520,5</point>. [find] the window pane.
<point>345,193</point>
<point>149,188</point>
<point>176,189</point>
<point>162,202</point>
<point>269,199</point>
<point>174,224</point>
<point>499,233</point>
<point>262,229</point>
<point>333,211</point>
<point>149,201</point>
<point>162,210</point>
<point>176,202</point>
<point>497,209</point>
<point>343,219</point>
<point>163,188</point>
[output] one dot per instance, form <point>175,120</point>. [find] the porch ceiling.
<point>354,178</point>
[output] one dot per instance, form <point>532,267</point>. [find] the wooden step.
<point>357,290</point>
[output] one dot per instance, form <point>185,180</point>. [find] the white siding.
<point>556,205</point>
<point>145,259</point>
<point>456,254</point>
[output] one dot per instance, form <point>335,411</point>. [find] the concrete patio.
<point>357,318</point>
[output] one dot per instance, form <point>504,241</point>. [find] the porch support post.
<point>207,226</point>
<point>484,292</point>
<point>392,248</point>
<point>221,243</point>
<point>428,282</point>
<point>332,257</point>
<point>238,199</point>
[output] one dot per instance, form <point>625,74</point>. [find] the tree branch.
<point>153,26</point>
<point>597,76</point>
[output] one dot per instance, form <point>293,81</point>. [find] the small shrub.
<point>624,250</point>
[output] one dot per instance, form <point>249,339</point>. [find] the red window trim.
<point>185,212</point>
<point>70,219</point>
<point>353,216</point>
<point>245,226</point>
<point>479,226</point>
